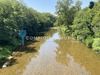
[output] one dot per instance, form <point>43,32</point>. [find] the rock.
<point>11,57</point>
<point>6,64</point>
<point>15,53</point>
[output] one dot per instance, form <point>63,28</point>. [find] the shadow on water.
<point>19,49</point>
<point>31,49</point>
<point>25,49</point>
<point>26,53</point>
<point>13,62</point>
<point>42,33</point>
<point>1,63</point>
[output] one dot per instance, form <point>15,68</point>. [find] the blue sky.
<point>49,5</point>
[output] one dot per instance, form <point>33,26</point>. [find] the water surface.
<point>55,56</point>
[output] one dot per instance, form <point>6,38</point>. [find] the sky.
<point>49,5</point>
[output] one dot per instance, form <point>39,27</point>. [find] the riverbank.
<point>89,42</point>
<point>24,55</point>
<point>7,51</point>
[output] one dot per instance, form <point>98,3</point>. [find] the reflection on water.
<point>44,64</point>
<point>85,60</point>
<point>55,56</point>
<point>29,51</point>
<point>50,61</point>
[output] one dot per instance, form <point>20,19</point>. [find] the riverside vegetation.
<point>83,24</point>
<point>15,16</point>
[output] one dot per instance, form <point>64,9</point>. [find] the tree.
<point>96,24</point>
<point>78,5</point>
<point>63,12</point>
<point>82,25</point>
<point>15,16</point>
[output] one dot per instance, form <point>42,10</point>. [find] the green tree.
<point>15,16</point>
<point>78,5</point>
<point>82,25</point>
<point>62,10</point>
<point>96,24</point>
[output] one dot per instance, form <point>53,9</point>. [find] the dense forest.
<point>15,16</point>
<point>83,24</point>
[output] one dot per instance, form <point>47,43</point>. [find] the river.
<point>57,55</point>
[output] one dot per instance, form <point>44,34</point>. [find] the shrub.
<point>89,41</point>
<point>4,53</point>
<point>96,44</point>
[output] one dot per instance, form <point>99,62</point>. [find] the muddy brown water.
<point>56,55</point>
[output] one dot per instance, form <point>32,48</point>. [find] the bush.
<point>96,44</point>
<point>89,41</point>
<point>4,53</point>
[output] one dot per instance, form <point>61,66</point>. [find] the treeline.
<point>15,16</point>
<point>83,24</point>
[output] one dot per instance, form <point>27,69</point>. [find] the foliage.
<point>4,53</point>
<point>66,13</point>
<point>83,24</point>
<point>96,44</point>
<point>15,16</point>
<point>78,5</point>
<point>89,41</point>
<point>96,24</point>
